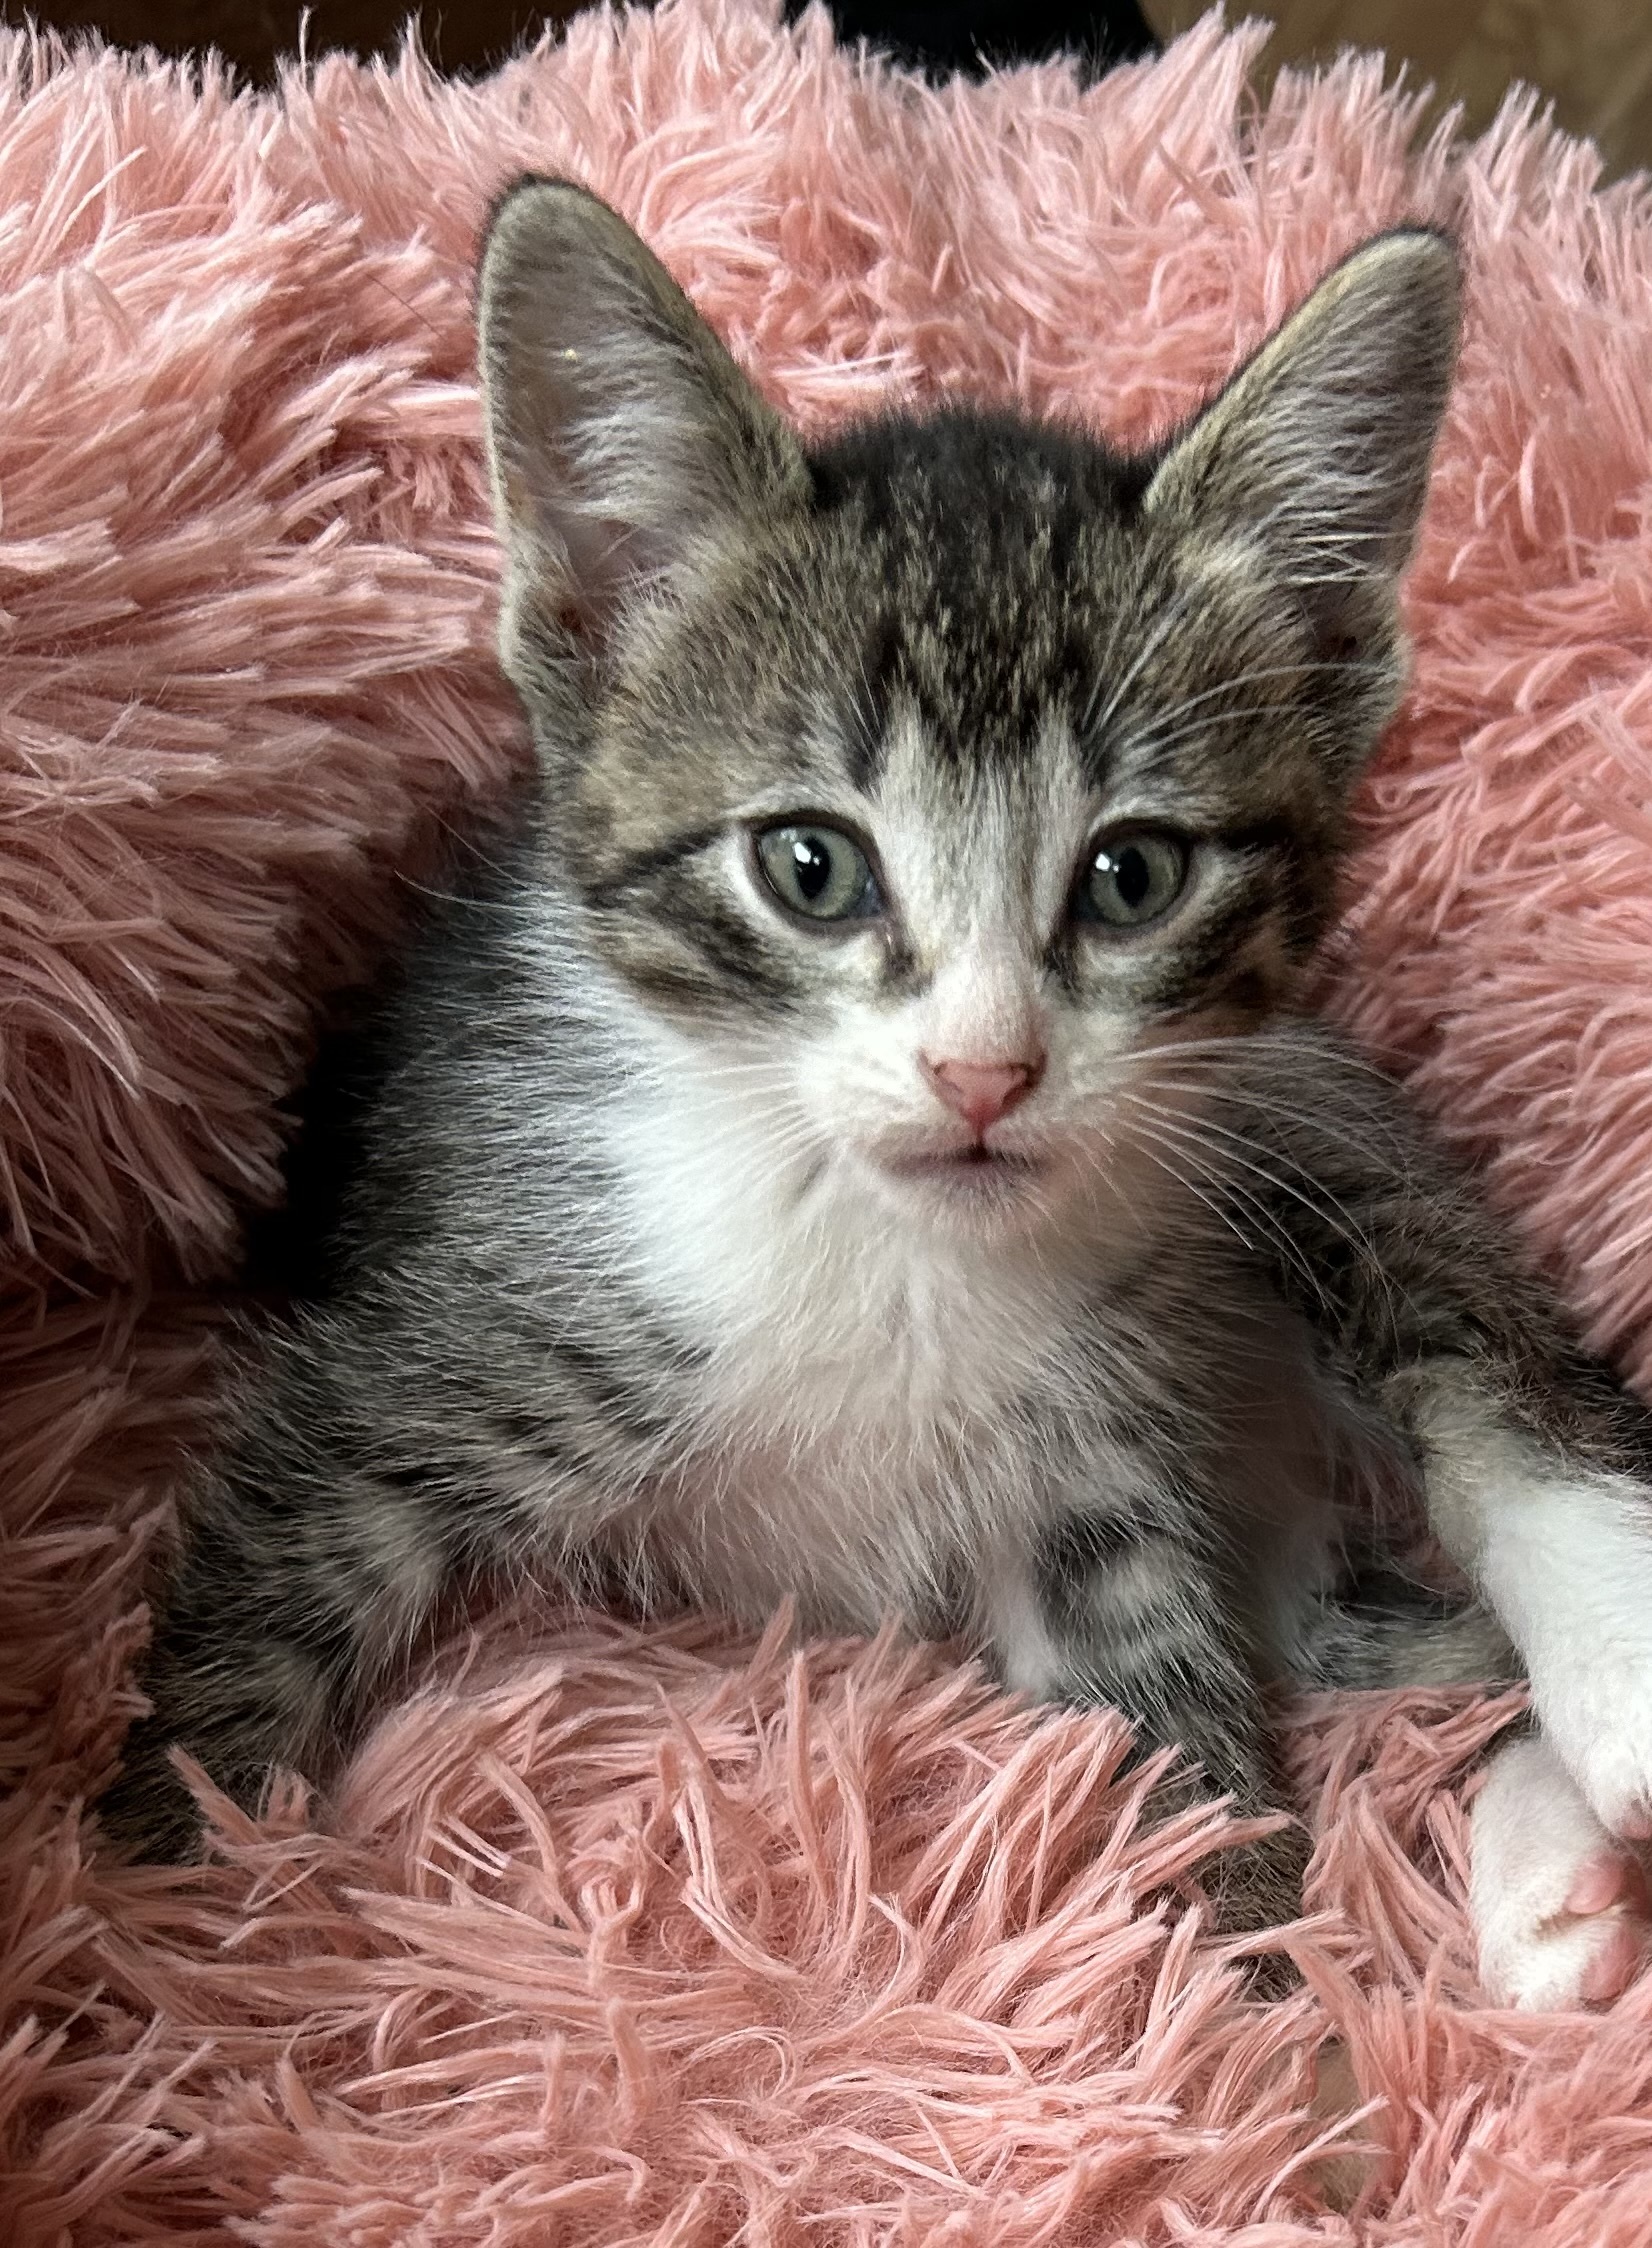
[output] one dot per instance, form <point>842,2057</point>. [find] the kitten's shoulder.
<point>399,1057</point>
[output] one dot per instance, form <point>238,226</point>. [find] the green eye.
<point>819,872</point>
<point>1131,877</point>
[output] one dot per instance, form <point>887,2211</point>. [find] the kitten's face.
<point>978,792</point>
<point>940,793</point>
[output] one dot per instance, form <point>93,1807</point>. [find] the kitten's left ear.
<point>620,431</point>
<point>1316,455</point>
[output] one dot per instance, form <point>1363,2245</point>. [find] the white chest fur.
<point>882,1397</point>
<point>891,1404</point>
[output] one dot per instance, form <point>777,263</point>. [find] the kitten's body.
<point>969,1253</point>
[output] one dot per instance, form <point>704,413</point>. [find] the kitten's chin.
<point>975,1187</point>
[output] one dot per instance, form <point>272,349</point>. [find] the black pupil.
<point>1132,876</point>
<point>812,863</point>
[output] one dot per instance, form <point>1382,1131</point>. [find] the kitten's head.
<point>936,783</point>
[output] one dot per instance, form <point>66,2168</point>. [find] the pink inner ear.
<point>600,557</point>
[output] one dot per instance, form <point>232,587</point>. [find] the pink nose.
<point>982,1092</point>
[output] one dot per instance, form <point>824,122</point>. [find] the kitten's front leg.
<point>294,1600</point>
<point>1106,1611</point>
<point>1561,1548</point>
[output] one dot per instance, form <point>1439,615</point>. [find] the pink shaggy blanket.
<point>623,1937</point>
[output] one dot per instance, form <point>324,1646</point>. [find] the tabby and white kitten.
<point>860,1142</point>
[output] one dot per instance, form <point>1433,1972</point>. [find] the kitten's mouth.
<point>973,1169</point>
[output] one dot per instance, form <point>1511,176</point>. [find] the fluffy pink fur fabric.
<point>624,1937</point>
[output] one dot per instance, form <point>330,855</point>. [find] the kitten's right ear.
<point>1314,460</point>
<point>620,431</point>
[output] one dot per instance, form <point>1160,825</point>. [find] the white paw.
<point>1605,1741</point>
<point>1559,1907</point>
<point>1570,1568</point>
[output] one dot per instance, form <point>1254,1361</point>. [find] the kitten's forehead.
<point>991,561</point>
<point>952,596</point>
<point>973,845</point>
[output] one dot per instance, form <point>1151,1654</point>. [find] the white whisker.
<point>1090,723</point>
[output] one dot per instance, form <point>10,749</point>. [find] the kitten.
<point>860,1140</point>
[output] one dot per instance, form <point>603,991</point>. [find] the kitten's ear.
<point>1317,452</point>
<point>619,429</point>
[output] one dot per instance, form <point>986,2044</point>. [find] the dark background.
<point>472,35</point>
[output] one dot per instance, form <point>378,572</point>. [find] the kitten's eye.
<point>1131,877</point>
<point>819,872</point>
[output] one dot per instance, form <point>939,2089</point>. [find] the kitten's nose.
<point>982,1092</point>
